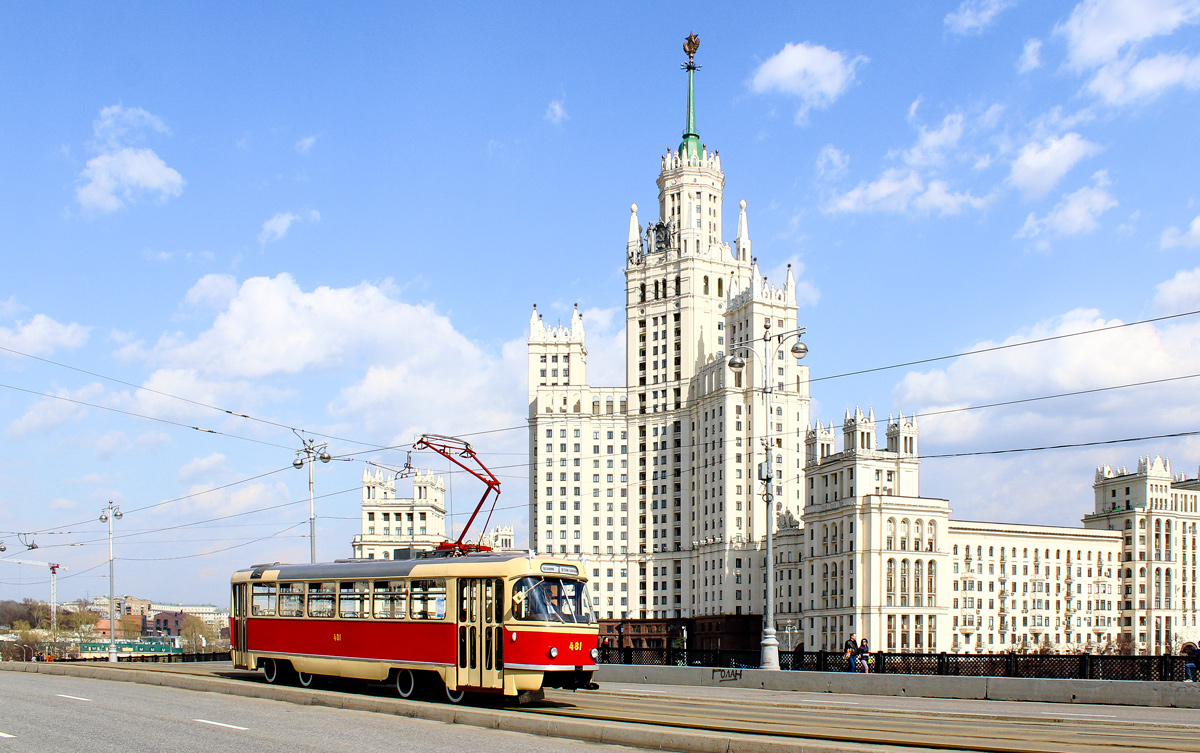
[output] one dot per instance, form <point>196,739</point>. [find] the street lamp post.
<point>766,474</point>
<point>309,452</point>
<point>107,515</point>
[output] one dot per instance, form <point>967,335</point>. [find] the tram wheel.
<point>455,696</point>
<point>306,679</point>
<point>406,683</point>
<point>276,672</point>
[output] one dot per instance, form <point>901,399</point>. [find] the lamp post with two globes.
<point>766,473</point>
<point>108,515</point>
<point>309,452</point>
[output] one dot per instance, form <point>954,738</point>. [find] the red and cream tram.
<point>501,623</point>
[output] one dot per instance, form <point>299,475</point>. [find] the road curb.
<point>585,730</point>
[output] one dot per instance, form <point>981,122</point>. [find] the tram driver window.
<point>291,599</point>
<point>428,599</point>
<point>320,599</point>
<point>263,602</point>
<point>391,599</point>
<point>353,599</point>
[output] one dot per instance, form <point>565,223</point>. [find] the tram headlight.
<point>553,652</point>
<point>595,654</point>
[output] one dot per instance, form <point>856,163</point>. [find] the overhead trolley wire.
<point>173,397</point>
<point>1006,346</point>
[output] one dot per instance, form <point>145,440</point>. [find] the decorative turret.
<point>742,242</point>
<point>818,443</point>
<point>858,431</point>
<point>557,355</point>
<point>902,435</point>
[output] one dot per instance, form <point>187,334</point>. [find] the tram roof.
<point>365,569</point>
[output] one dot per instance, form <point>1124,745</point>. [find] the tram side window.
<point>353,599</point>
<point>429,599</point>
<point>291,599</point>
<point>263,602</point>
<point>391,599</point>
<point>320,599</point>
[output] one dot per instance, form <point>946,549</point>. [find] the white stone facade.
<point>392,526</point>
<point>653,483</point>
<point>1154,513</point>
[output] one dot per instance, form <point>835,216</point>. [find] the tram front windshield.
<point>552,600</point>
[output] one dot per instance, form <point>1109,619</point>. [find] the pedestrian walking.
<point>864,656</point>
<point>851,649</point>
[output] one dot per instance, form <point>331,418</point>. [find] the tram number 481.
<point>575,645</point>
<point>337,636</point>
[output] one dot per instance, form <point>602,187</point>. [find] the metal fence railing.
<point>1050,666</point>
<point>156,658</point>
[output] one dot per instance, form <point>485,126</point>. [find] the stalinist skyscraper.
<point>653,484</point>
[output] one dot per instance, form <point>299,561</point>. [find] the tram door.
<point>241,610</point>
<point>480,635</point>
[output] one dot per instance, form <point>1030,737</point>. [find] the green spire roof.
<point>690,146</point>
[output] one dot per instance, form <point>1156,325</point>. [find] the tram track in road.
<point>744,717</point>
<point>865,726</point>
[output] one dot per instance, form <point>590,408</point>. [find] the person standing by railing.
<point>1190,657</point>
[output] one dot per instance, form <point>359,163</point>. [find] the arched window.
<point>991,551</point>
<point>1025,553</point>
<point>656,290</point>
<point>643,298</point>
<point>705,284</point>
<point>917,576</point>
<point>932,580</point>
<point>1057,554</point>
<point>678,286</point>
<point>720,287</point>
<point>891,579</point>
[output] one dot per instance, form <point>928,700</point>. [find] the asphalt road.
<point>57,714</point>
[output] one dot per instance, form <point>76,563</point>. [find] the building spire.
<point>690,147</point>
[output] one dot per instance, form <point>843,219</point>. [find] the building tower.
<point>653,482</point>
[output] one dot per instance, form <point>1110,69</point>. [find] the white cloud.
<point>212,290</point>
<point>204,468</point>
<point>1017,488</point>
<point>278,225</point>
<point>1171,237</point>
<point>117,125</point>
<point>1097,31</point>
<point>1040,165</point>
<point>48,414</point>
<point>815,74</point>
<point>832,163</point>
<point>41,336</point>
<point>1129,80</point>
<point>1030,56</point>
<point>556,111</point>
<point>973,16</point>
<point>305,144</point>
<point>10,307</point>
<point>122,174</point>
<point>931,145</point>
<point>1077,213</point>
<point>901,192</point>
<point>1180,293</point>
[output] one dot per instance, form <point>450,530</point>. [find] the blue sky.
<point>338,219</point>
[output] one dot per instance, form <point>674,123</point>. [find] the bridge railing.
<point>160,658</point>
<point>1049,666</point>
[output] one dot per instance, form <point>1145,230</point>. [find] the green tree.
<point>195,633</point>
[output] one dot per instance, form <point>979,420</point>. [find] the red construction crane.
<point>456,451</point>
